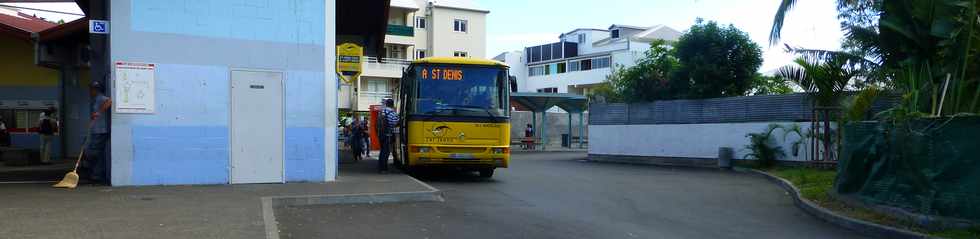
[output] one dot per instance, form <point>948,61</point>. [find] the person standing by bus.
<point>47,127</point>
<point>388,120</point>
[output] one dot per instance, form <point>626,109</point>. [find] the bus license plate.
<point>461,156</point>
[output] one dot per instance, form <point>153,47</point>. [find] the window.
<point>420,22</point>
<point>536,71</point>
<point>21,120</point>
<point>479,94</point>
<point>614,34</point>
<point>419,53</point>
<point>561,68</point>
<point>460,25</point>
<point>460,54</point>
<point>581,38</point>
<point>573,66</point>
<point>547,69</point>
<point>602,62</point>
<point>586,64</point>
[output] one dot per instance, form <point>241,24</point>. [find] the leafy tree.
<point>604,93</point>
<point>770,85</point>
<point>716,61</point>
<point>649,79</point>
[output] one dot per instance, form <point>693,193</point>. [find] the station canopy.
<point>540,102</point>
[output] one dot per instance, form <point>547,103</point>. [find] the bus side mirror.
<point>513,83</point>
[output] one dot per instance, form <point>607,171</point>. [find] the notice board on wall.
<point>135,88</point>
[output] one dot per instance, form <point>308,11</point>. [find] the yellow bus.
<point>456,115</point>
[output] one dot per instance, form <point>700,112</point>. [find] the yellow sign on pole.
<point>349,64</point>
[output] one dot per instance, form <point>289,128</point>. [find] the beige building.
<point>419,29</point>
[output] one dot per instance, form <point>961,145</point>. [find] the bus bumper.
<point>496,157</point>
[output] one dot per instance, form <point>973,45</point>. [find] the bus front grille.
<point>465,150</point>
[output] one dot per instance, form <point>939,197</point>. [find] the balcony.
<point>399,30</point>
<point>385,67</point>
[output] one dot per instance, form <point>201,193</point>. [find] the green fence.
<point>929,166</point>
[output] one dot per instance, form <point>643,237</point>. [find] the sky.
<point>515,24</point>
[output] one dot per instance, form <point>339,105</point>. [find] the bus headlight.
<point>501,150</point>
<point>422,150</point>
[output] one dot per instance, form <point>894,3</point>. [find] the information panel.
<point>135,88</point>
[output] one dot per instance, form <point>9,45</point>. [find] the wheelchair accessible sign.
<point>98,27</point>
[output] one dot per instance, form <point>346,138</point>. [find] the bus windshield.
<point>446,90</point>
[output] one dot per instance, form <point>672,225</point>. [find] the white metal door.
<point>256,127</point>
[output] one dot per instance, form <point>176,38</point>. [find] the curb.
<point>858,225</point>
<point>270,203</point>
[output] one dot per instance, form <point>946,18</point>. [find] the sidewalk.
<point>224,211</point>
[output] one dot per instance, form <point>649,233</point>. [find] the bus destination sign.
<point>442,74</point>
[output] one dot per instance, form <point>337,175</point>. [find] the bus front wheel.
<point>486,173</point>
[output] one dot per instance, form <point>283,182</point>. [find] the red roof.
<point>22,25</point>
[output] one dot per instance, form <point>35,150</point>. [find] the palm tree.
<point>859,21</point>
<point>854,13</point>
<point>826,80</point>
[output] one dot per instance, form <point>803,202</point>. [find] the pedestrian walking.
<point>47,127</point>
<point>387,121</point>
<point>367,137</point>
<point>356,142</point>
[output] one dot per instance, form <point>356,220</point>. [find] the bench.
<point>577,140</point>
<point>521,141</point>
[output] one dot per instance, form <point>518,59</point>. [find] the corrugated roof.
<point>459,4</point>
<point>408,4</point>
<point>23,21</point>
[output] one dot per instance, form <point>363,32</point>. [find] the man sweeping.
<point>95,164</point>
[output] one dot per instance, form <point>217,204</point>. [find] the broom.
<point>71,178</point>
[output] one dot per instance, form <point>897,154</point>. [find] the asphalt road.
<point>559,196</point>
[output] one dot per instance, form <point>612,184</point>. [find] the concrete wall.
<point>21,79</point>
<point>562,81</point>
<point>445,41</point>
<point>700,141</point>
<point>17,67</point>
<point>195,45</point>
<point>557,125</point>
<point>518,68</point>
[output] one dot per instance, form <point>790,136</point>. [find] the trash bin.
<point>566,142</point>
<point>725,156</point>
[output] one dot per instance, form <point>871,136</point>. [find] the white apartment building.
<point>419,29</point>
<point>582,58</point>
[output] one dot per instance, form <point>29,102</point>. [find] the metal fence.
<point>766,108</point>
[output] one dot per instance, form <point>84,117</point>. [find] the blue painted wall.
<point>304,127</point>
<point>195,45</point>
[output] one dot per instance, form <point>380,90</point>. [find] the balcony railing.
<point>393,61</point>
<point>385,67</point>
<point>399,30</point>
